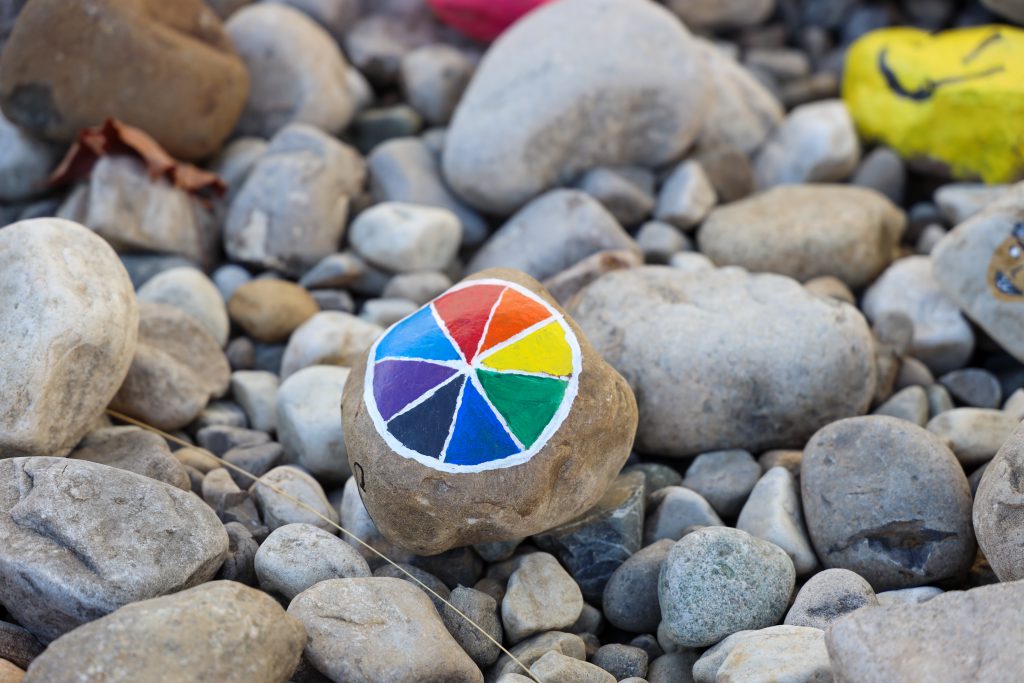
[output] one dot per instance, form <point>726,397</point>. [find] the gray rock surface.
<point>482,609</point>
<point>905,513</point>
<point>83,539</point>
<point>943,338</point>
<point>26,163</point>
<point>817,143</point>
<point>298,74</point>
<point>593,545</point>
<point>683,341</point>
<point>557,668</point>
<point>532,649</point>
<point>958,636</point>
<point>135,450</point>
<point>176,370</point>
<point>277,510</point>
<point>328,338</point>
<point>527,242</point>
<point>965,257</point>
<point>631,594</point>
<point>256,392</point>
<point>717,581</point>
<point>779,653</point>
<point>974,434</point>
<point>999,510</point>
<point>403,238</point>
<point>597,62</point>
<point>676,510</point>
<point>291,211</point>
<point>66,346</point>
<point>806,231</point>
<point>724,479</point>
<point>541,596</point>
<point>379,629</point>
<point>308,425</point>
<point>220,631</point>
<point>189,290</point>
<point>828,596</point>
<point>686,197</point>
<point>773,513</point>
<point>294,557</point>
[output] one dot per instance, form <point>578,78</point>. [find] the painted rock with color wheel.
<point>484,416</point>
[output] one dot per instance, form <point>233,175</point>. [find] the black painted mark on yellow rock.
<point>927,89</point>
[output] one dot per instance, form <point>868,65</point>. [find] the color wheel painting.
<point>478,379</point>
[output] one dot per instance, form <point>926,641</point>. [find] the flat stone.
<point>298,72</point>
<point>135,450</point>
<point>978,260</point>
<point>307,421</point>
<point>828,596</point>
<point>677,510</point>
<point>433,78</point>
<point>328,338</point>
<point>532,649</point>
<point>660,241</point>
<point>908,596</point>
<point>817,354</point>
<point>783,653</point>
<point>83,539</point>
<point>239,564</point>
<point>623,662</point>
<point>943,339</point>
<point>225,630</point>
<point>291,211</point>
<point>256,393</point>
<point>724,479</point>
<point>974,387</point>
<point>576,54</point>
<point>27,163</point>
<point>807,231</point>
<point>191,291</point>
<point>686,197</point>
<point>526,241</point>
<point>541,596</point>
<point>554,667</point>
<point>177,368</point>
<point>999,513</point>
<point>593,545</point>
<point>631,594</point>
<point>296,556</point>
<point>957,636</point>
<point>905,518</point>
<point>270,310</point>
<point>717,581</point>
<point>773,513</point>
<point>711,15</point>
<point>378,629</point>
<point>910,404</point>
<point>974,434</point>
<point>67,345</point>
<point>276,510</point>
<point>418,288</point>
<point>406,170</point>
<point>816,143</point>
<point>627,192</point>
<point>404,238</point>
<point>482,609</point>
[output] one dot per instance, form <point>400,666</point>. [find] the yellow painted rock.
<point>956,97</point>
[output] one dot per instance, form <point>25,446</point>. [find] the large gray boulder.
<point>724,359</point>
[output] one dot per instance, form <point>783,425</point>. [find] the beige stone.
<point>270,310</point>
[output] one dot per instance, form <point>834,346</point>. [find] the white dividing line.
<point>456,364</point>
<point>487,325</point>
<point>525,373</point>
<point>501,418</point>
<point>444,330</point>
<point>425,395</point>
<point>516,337</point>
<point>451,427</point>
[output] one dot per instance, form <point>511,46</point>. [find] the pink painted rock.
<point>482,19</point>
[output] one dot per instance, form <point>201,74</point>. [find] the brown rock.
<point>10,673</point>
<point>167,68</point>
<point>501,492</point>
<point>270,310</point>
<point>177,369</point>
<point>218,631</point>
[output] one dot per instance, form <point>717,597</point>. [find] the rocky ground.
<point>822,329</point>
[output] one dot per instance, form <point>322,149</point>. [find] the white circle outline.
<point>568,399</point>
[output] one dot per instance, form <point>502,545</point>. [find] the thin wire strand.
<point>259,480</point>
